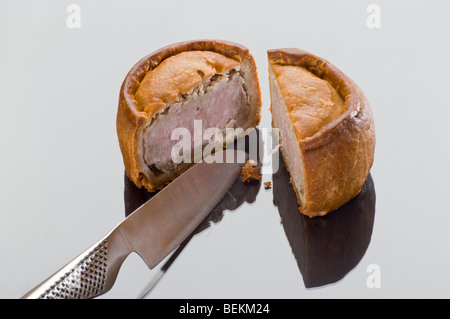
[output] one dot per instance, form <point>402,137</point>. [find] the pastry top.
<point>355,113</point>
<point>178,75</point>
<point>311,102</point>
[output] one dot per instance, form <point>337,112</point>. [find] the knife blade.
<point>153,230</point>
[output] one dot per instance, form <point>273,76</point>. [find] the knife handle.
<point>89,275</point>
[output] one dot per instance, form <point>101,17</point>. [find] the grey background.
<point>61,171</point>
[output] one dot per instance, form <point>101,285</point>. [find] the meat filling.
<point>220,103</point>
<point>287,137</point>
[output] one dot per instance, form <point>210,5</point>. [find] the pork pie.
<point>208,80</point>
<point>326,129</point>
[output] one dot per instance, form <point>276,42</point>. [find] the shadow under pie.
<point>328,247</point>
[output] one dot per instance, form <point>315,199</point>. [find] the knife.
<point>153,230</point>
<point>241,192</point>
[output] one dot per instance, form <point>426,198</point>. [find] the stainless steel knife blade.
<point>153,231</point>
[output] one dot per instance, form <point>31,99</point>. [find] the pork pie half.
<point>326,129</point>
<point>208,80</point>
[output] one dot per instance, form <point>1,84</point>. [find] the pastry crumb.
<point>250,171</point>
<point>268,185</point>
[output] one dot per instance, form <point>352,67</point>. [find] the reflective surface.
<point>62,174</point>
<point>325,248</point>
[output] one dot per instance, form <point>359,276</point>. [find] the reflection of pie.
<point>327,132</point>
<point>212,81</point>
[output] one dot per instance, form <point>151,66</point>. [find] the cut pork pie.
<point>178,86</point>
<point>326,129</point>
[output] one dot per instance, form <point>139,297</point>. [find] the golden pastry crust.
<point>338,157</point>
<point>250,171</point>
<point>132,118</point>
<point>311,102</point>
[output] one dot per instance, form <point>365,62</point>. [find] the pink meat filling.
<point>220,104</point>
<point>288,139</point>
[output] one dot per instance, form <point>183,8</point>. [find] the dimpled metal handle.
<point>89,275</point>
<point>85,280</point>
